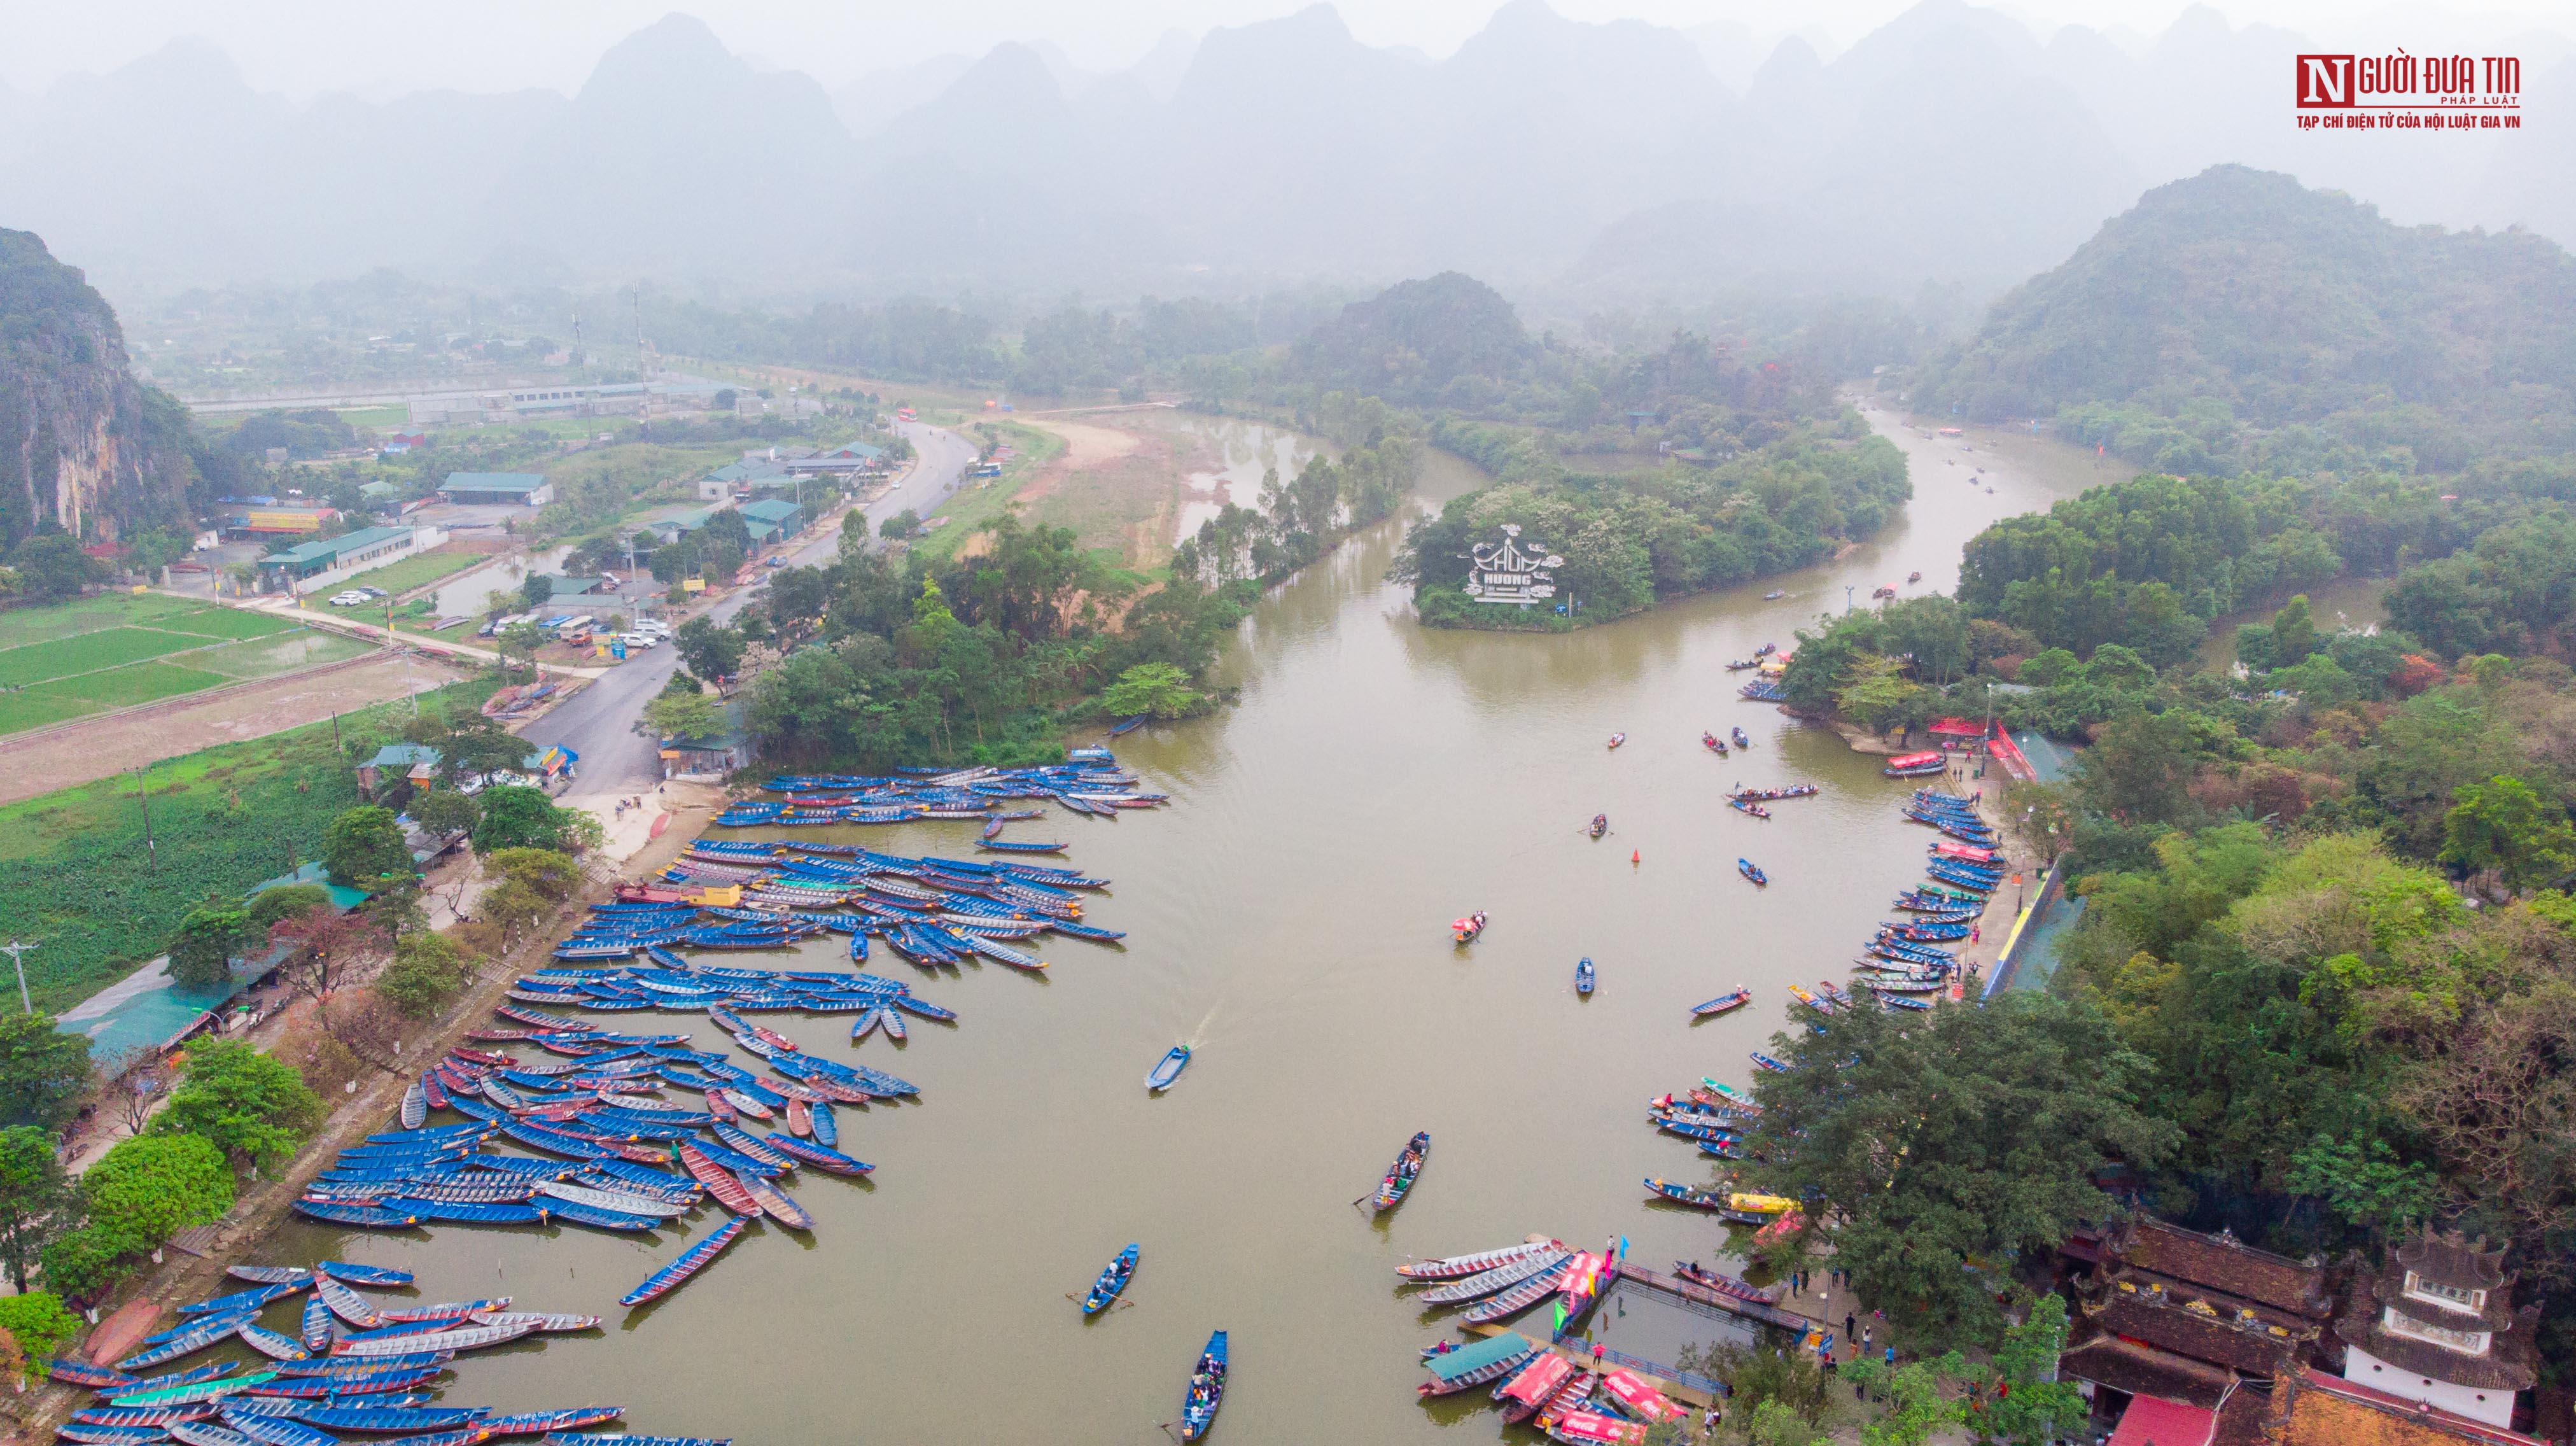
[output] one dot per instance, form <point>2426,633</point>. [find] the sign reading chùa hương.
<point>1507,572</point>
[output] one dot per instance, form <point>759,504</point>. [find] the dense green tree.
<point>285,901</point>
<point>1158,689</point>
<point>51,566</point>
<point>43,1070</point>
<point>150,1187</point>
<point>37,1202</point>
<point>1916,1397</point>
<point>2140,767</point>
<point>1926,1143</point>
<point>903,524</point>
<point>444,811</point>
<point>364,849</point>
<point>426,973</point>
<point>253,1108</point>
<point>2033,1406</point>
<point>37,1321</point>
<point>683,715</point>
<point>709,649</point>
<point>212,935</point>
<point>536,590</point>
<point>2502,824</point>
<point>516,816</point>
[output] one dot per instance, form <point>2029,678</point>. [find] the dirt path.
<point>93,748</point>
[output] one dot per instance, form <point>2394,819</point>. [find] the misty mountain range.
<point>1612,160</point>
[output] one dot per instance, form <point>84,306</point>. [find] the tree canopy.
<point>1936,1150</point>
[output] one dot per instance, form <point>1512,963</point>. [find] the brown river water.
<point>1286,916</point>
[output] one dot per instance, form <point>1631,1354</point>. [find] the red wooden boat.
<point>1536,1385</point>
<point>800,1116</point>
<point>720,1182</point>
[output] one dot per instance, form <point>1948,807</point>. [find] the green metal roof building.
<point>348,550</point>
<point>524,489</point>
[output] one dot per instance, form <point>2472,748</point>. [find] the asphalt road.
<point>598,724</point>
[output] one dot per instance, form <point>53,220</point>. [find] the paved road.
<point>598,724</point>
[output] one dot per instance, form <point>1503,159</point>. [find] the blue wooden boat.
<point>1404,1173</point>
<point>1583,976</point>
<point>1765,1061</point>
<point>275,1430</point>
<point>120,1435</point>
<point>270,1343</point>
<point>212,1371</point>
<point>369,1218</point>
<point>1722,1003</point>
<point>380,1418</point>
<point>922,1008</point>
<point>1168,1070</point>
<point>467,1214</point>
<point>895,1028</point>
<point>340,1369</point>
<point>415,1106</point>
<point>821,1157</point>
<point>1746,868</point>
<point>227,1321</point>
<point>270,1274</point>
<point>827,1127</point>
<point>98,1378</point>
<point>595,1216</point>
<point>536,1423</point>
<point>1698,1197</point>
<point>1128,724</point>
<point>1740,740</point>
<point>1105,1290</point>
<point>1206,1390</point>
<point>775,1202</point>
<point>758,1147</point>
<point>692,1260</point>
<point>1018,846</point>
<point>241,1300</point>
<point>195,1337</point>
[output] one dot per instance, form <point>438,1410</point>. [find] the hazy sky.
<point>380,47</point>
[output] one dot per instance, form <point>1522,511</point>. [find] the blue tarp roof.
<point>144,1009</point>
<point>1468,1359</point>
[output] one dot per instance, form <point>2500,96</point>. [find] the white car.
<point>348,599</point>
<point>638,642</point>
<point>654,626</point>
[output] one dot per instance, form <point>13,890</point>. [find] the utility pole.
<point>142,796</point>
<point>17,955</point>
<point>1848,590</point>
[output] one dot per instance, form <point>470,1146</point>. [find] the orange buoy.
<point>1632,855</point>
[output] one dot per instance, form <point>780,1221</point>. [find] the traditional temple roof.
<point>2245,1342</point>
<point>2454,1260</point>
<point>2146,1249</point>
<point>2510,1361</point>
<point>2144,1370</point>
<point>2509,1364</point>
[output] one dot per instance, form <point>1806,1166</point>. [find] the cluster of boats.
<point>1089,783</point>
<point>350,1364</point>
<point>1566,1398</point>
<point>1905,958</point>
<point>1710,1115</point>
<point>1717,745</point>
<point>1741,665</point>
<point>735,894</point>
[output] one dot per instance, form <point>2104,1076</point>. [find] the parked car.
<point>371,591</point>
<point>638,642</point>
<point>348,599</point>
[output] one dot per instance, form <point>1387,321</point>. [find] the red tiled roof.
<point>2151,1422</point>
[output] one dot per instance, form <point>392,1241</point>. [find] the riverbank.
<point>262,1206</point>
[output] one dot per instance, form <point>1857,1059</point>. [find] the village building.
<point>2437,1324</point>
<point>2172,1323</point>
<point>488,489</point>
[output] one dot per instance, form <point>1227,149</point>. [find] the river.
<point>1285,915</point>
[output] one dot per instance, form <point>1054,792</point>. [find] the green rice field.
<point>114,651</point>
